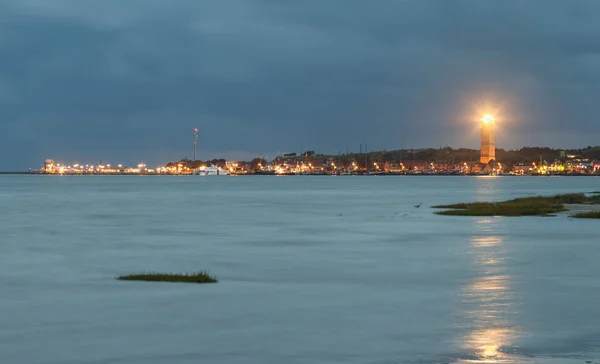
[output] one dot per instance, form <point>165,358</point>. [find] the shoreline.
<point>315,174</point>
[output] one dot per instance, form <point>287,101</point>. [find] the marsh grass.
<point>199,277</point>
<point>587,215</point>
<point>526,206</point>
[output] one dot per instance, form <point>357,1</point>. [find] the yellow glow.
<point>487,118</point>
<point>489,351</point>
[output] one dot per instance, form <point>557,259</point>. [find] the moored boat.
<point>211,171</point>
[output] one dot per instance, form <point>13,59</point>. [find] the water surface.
<point>311,270</point>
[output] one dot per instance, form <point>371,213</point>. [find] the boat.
<point>212,170</point>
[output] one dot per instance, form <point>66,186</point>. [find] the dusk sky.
<point>127,81</point>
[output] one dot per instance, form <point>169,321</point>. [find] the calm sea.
<point>311,270</point>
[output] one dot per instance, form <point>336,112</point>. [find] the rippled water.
<point>311,270</point>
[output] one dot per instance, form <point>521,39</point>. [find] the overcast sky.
<point>127,81</point>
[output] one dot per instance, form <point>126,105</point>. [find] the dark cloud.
<point>92,80</point>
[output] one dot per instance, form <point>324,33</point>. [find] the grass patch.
<point>526,206</point>
<point>593,199</point>
<point>199,277</point>
<point>587,215</point>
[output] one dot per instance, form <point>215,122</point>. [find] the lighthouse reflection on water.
<point>488,302</point>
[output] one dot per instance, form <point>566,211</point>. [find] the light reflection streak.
<point>488,300</point>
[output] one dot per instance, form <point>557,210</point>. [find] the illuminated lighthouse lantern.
<point>488,144</point>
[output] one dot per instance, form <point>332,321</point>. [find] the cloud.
<point>81,77</point>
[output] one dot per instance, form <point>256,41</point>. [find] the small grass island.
<point>199,277</point>
<point>526,206</point>
<point>587,215</point>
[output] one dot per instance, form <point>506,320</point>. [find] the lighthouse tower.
<point>488,144</point>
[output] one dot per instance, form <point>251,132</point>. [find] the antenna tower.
<point>195,141</point>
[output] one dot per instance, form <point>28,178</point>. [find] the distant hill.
<point>444,154</point>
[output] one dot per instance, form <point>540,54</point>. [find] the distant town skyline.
<point>129,81</point>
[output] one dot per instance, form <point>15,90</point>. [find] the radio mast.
<point>195,141</point>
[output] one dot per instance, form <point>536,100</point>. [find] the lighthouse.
<point>488,144</point>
